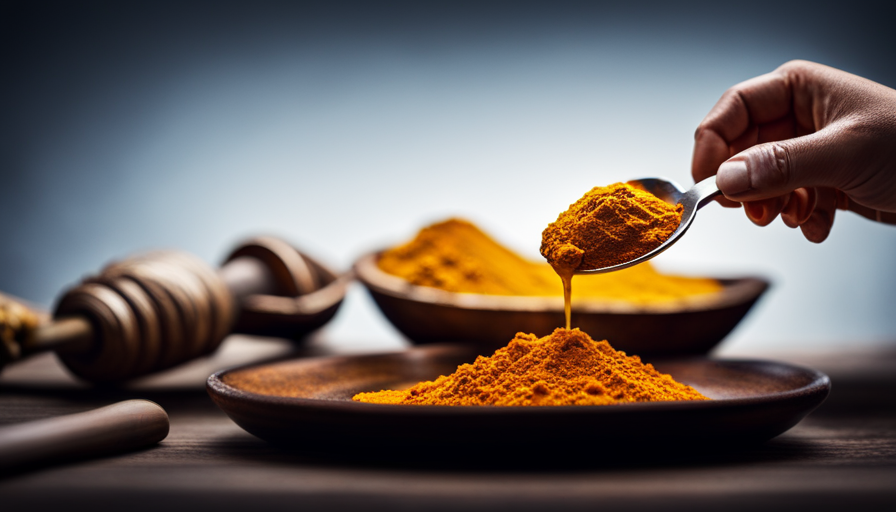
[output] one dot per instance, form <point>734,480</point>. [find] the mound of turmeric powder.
<point>564,368</point>
<point>456,256</point>
<point>609,226</point>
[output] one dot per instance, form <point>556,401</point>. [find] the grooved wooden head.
<point>149,313</point>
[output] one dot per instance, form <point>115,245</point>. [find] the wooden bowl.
<point>692,325</point>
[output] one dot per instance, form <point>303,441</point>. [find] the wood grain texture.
<point>841,456</point>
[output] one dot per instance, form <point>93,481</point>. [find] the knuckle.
<point>701,132</point>
<point>797,66</point>
<point>793,63</point>
<point>780,163</point>
<point>771,166</point>
<point>733,97</point>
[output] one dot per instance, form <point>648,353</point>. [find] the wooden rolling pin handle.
<point>116,428</point>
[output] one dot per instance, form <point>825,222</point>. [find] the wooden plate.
<point>307,403</point>
<point>692,325</point>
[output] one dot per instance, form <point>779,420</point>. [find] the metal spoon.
<point>669,191</point>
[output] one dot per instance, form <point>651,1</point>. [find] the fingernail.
<point>733,178</point>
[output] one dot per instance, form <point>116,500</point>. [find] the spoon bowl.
<point>692,200</point>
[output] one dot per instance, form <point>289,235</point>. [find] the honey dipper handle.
<point>116,428</point>
<point>69,334</point>
<point>245,276</point>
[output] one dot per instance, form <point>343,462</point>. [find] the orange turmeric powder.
<point>607,226</point>
<point>456,256</point>
<point>564,368</point>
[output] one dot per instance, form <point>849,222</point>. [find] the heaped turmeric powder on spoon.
<point>607,226</point>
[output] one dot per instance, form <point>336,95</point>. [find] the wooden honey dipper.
<point>157,310</point>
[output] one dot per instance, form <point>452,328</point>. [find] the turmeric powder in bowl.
<point>564,368</point>
<point>456,256</point>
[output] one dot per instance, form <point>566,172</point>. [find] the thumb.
<point>775,169</point>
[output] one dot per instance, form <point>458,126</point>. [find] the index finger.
<point>734,117</point>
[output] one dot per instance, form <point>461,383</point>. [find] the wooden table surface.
<point>842,456</point>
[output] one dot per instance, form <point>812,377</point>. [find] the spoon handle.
<point>705,191</point>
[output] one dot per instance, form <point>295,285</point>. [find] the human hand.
<point>801,142</point>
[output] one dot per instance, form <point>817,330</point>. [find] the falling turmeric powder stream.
<point>564,368</point>
<point>607,226</point>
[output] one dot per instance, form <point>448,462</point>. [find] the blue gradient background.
<point>346,126</point>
